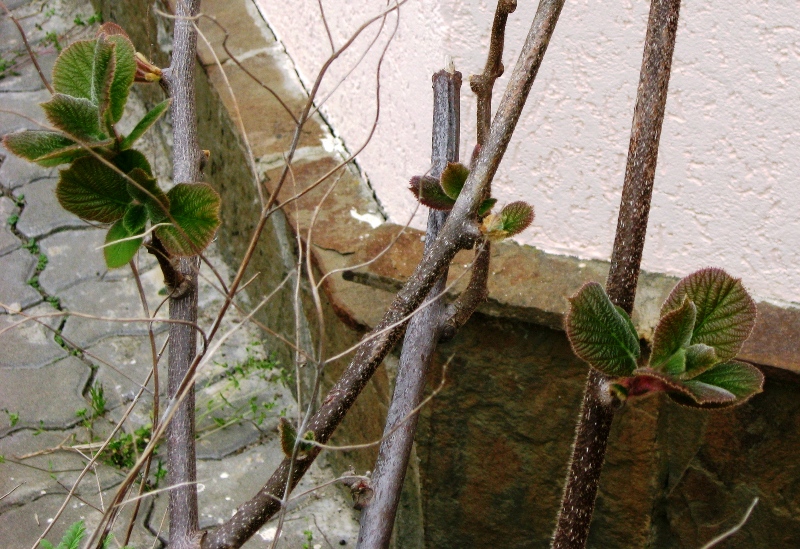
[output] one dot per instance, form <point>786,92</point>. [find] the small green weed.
<point>309,538</point>
<point>32,246</point>
<point>98,399</point>
<point>13,417</point>
<point>12,220</point>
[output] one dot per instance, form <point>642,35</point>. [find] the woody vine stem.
<point>597,413</point>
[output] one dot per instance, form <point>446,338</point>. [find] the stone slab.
<point>36,473</point>
<point>24,524</point>
<point>73,256</point>
<point>110,299</point>
<point>8,240</point>
<point>17,268</point>
<point>29,344</point>
<point>16,172</point>
<point>39,400</point>
<point>226,484</point>
<point>43,214</point>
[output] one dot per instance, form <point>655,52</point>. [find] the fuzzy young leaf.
<point>429,192</point>
<point>74,116</point>
<point>288,435</point>
<point>36,145</point>
<point>135,218</point>
<point>512,220</point>
<point>93,191</point>
<point>86,70</point>
<point>150,195</point>
<point>739,379</point>
<point>124,72</point>
<point>600,334</point>
<point>699,358</point>
<point>726,313</point>
<point>129,160</point>
<point>453,177</point>
<point>120,253</point>
<point>674,332</point>
<point>144,124</point>
<point>195,209</point>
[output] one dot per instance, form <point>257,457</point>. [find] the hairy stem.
<point>458,232</point>
<point>187,159</point>
<point>377,520</point>
<point>597,412</point>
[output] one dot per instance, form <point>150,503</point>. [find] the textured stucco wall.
<point>726,189</point>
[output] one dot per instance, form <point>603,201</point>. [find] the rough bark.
<point>597,411</point>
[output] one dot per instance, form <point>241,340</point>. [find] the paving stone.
<point>72,257</point>
<point>25,104</point>
<point>110,299</point>
<point>257,397</point>
<point>17,268</point>
<point>51,471</point>
<point>45,397</point>
<point>225,484</point>
<point>16,172</point>
<point>24,524</point>
<point>30,344</point>
<point>42,213</point>
<point>123,365</point>
<point>8,240</point>
<point>27,78</point>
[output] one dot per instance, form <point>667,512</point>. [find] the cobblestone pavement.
<point>65,381</point>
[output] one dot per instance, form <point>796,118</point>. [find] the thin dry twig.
<point>725,535</point>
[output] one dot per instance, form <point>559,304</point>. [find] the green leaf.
<point>73,115</point>
<point>673,332</point>
<point>453,177</point>
<point>119,254</point>
<point>726,313</point>
<point>93,191</point>
<point>46,544</point>
<point>144,124</point>
<point>600,334</point>
<point>429,192</point>
<point>512,219</point>
<point>135,218</point>
<point>288,436</point>
<point>149,194</point>
<point>674,365</point>
<point>86,70</point>
<point>486,206</point>
<point>36,144</point>
<point>129,160</point>
<point>124,72</point>
<point>699,358</point>
<point>195,209</point>
<point>73,536</point>
<point>516,217</point>
<point>73,70</point>
<point>740,379</point>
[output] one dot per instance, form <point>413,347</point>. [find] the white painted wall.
<point>726,191</point>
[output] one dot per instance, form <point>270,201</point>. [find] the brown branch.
<point>597,413</point>
<point>28,47</point>
<point>482,84</point>
<point>458,232</point>
<point>187,160</point>
<point>377,520</point>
